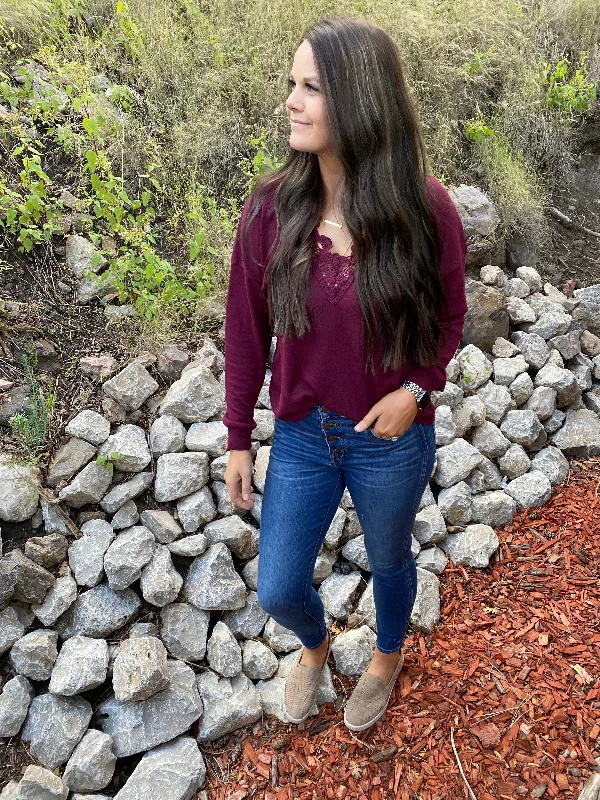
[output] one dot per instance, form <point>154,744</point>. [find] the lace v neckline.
<point>334,271</point>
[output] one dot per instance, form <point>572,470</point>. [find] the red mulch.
<point>512,668</point>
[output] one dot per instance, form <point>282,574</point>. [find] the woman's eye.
<point>292,83</point>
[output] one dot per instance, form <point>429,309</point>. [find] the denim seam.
<point>313,560</point>
<point>415,506</point>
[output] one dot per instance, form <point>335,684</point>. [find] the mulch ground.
<point>510,675</point>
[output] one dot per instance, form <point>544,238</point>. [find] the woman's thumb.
<point>246,491</point>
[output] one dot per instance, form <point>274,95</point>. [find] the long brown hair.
<point>384,200</point>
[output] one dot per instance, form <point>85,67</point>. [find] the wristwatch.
<point>422,395</point>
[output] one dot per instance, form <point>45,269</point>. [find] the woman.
<point>355,260</point>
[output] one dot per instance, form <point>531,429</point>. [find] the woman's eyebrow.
<point>311,78</point>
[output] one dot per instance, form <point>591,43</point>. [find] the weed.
<point>31,428</point>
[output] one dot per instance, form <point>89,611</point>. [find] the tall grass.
<point>205,75</point>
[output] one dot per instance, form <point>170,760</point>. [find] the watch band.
<point>422,395</point>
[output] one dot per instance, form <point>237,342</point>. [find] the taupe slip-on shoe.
<point>369,700</point>
<point>301,687</point>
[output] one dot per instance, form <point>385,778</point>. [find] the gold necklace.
<point>337,225</point>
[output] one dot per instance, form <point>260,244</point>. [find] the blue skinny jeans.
<point>310,464</point>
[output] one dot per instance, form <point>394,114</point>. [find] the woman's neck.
<point>332,175</point>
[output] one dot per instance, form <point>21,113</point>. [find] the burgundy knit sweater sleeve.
<point>247,334</point>
<point>453,254</point>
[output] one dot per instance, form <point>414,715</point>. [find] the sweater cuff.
<point>239,438</point>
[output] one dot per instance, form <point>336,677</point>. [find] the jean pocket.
<point>384,438</point>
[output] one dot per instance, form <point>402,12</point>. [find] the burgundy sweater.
<point>327,365</point>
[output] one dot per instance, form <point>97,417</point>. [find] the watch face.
<point>424,400</point>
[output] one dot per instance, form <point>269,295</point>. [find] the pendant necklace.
<point>337,225</point>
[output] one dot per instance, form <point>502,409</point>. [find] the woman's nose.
<point>292,100</point>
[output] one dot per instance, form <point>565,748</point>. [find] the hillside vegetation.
<point>158,114</point>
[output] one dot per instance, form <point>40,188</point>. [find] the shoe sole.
<point>381,713</point>
<point>296,721</point>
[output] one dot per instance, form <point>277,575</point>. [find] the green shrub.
<point>31,428</point>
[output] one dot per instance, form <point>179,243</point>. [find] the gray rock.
<point>591,400</point>
<point>209,437</point>
<point>454,504</point>
<point>324,564</point>
<point>568,344</point>
<point>171,361</point>
<point>432,559</point>
<point>532,489</point>
<point>490,440</point>
<point>18,492</point>
<point>455,461</point>
<point>86,555</point>
<point>247,622</point>
<point>81,665</point>
<point>34,654</point>
<point>219,465</point>
<point>514,462</point>
<point>180,474</point>
<point>493,508</point>
<point>128,553</point>
<point>195,397</point>
<point>507,369</point>
<point>125,491</point>
<point>551,323</point>
<point>581,367</point>
<point>521,388</point>
<point>356,552</point>
<point>53,727</point>
<point>131,386</point>
<point>492,275</point>
<point>250,573</point>
<point>542,402</point>
<point>588,314</point>
<point>517,287</point>
<point>16,401</point>
<point>81,256</point>
<point>11,628</point>
<point>521,427</point>
<point>172,771</point>
<point>258,662</point>
<point>445,427</point>
<point>141,725</point>
<point>139,629</point>
<point>184,630</point>
<point>38,783</point>
<point>552,463</point>
<point>229,704</point>
<point>89,486</point>
<point>580,434</point>
<point>338,591</point>
<point>498,400</point>
<point>590,344</point>
<point>130,442</point>
<point>554,422</point>
<point>189,546</point>
<point>225,506</point>
<point>240,537</point>
<point>425,613</point>
<point>98,612</point>
<point>223,652</point>
<point>280,639</point>
<point>16,696</point>
<point>261,462</point>
<point>473,547</point>
<point>160,582</point>
<point>502,348</point>
<point>534,348</point>
<point>31,582</point>
<point>92,763</point>
<point>486,317</point>
<point>167,435</point>
<point>161,524</point>
<point>47,551</point>
<point>69,459</point>
<point>531,277</point>
<point>213,583</point>
<point>89,426</point>
<point>562,380</point>
<point>451,395</point>
<point>429,526</point>
<point>126,517</point>
<point>140,669</point>
<point>474,366</point>
<point>53,522</point>
<point>353,650</point>
<point>519,311</point>
<point>336,529</point>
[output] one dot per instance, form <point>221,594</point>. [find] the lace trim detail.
<point>335,272</point>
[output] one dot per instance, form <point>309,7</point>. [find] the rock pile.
<point>146,568</point>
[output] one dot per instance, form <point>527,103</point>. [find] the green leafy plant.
<point>477,63</point>
<point>476,130</point>
<point>569,95</point>
<point>262,161</point>
<point>31,428</point>
<point>108,461</point>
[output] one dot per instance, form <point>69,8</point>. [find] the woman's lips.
<point>300,124</point>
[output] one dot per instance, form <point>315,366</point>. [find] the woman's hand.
<point>395,413</point>
<point>238,478</point>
